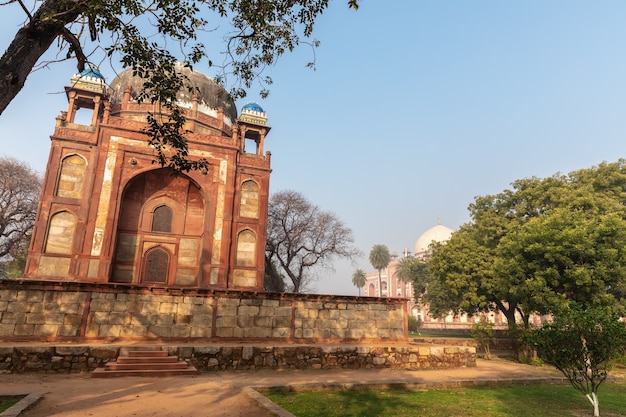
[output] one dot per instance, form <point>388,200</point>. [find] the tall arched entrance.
<point>160,231</point>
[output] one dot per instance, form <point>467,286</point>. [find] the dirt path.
<point>217,394</point>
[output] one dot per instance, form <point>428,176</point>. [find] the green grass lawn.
<point>509,401</point>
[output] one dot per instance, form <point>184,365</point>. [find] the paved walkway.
<point>226,394</point>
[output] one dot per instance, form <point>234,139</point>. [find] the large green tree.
<point>536,246</point>
<point>379,258</point>
<point>150,36</point>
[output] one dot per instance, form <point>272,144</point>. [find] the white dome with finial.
<point>438,233</point>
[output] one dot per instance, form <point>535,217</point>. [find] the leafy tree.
<point>20,187</point>
<point>380,258</point>
<point>484,334</point>
<point>537,246</point>
<point>301,238</point>
<point>359,279</point>
<point>413,270</point>
<point>583,344</point>
<point>150,37</point>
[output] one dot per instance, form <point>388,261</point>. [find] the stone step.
<point>150,363</point>
<point>115,366</point>
<point>151,353</point>
<point>104,373</point>
<point>147,359</point>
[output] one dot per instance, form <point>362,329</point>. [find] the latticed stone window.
<point>156,264</point>
<point>162,219</point>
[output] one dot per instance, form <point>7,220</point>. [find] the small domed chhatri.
<point>89,79</point>
<point>253,113</point>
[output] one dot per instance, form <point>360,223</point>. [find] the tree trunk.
<point>593,399</point>
<point>28,45</point>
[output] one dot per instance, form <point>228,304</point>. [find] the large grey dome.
<point>212,95</point>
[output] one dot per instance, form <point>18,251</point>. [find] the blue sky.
<point>415,108</point>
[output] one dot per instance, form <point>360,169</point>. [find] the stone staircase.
<point>153,363</point>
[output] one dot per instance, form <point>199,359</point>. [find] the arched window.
<point>156,265</point>
<point>72,177</point>
<point>162,219</point>
<point>61,233</point>
<point>371,290</point>
<point>246,249</point>
<point>249,204</point>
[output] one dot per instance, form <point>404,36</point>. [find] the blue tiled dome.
<point>91,72</point>
<point>253,107</point>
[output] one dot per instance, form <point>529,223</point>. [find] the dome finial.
<point>439,219</point>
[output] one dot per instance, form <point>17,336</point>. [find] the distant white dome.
<point>438,233</point>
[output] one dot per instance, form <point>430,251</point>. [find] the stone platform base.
<point>68,358</point>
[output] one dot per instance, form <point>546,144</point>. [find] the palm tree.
<point>380,258</point>
<point>359,279</point>
<point>404,271</point>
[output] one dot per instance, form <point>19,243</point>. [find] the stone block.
<point>261,322</point>
<point>248,310</point>
<point>281,321</point>
<point>121,318</point>
<point>168,308</point>
<point>6,329</point>
<point>8,295</point>
<point>202,320</point>
<point>271,303</point>
<point>46,330</point>
<point>223,322</point>
<point>101,305</point>
<point>99,317</point>
<point>30,296</point>
<point>104,352</point>
<point>110,330</point>
<point>72,320</point>
<point>3,306</point>
<point>24,330</point>
<point>18,307</point>
<point>150,308</point>
<point>181,331</point>
<point>71,350</point>
<point>184,309</point>
<point>159,331</point>
<point>71,308</point>
<point>282,332</point>
<point>221,331</point>
<point>134,331</point>
<point>257,332</point>
<point>68,331</point>
<point>35,318</point>
<point>245,321</point>
<point>13,318</point>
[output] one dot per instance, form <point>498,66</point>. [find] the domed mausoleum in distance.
<point>109,214</point>
<point>438,233</point>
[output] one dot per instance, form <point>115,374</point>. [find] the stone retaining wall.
<point>65,311</point>
<point>69,359</point>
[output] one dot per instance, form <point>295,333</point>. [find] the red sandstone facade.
<point>108,214</point>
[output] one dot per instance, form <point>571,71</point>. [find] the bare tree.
<point>20,187</point>
<point>302,238</point>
